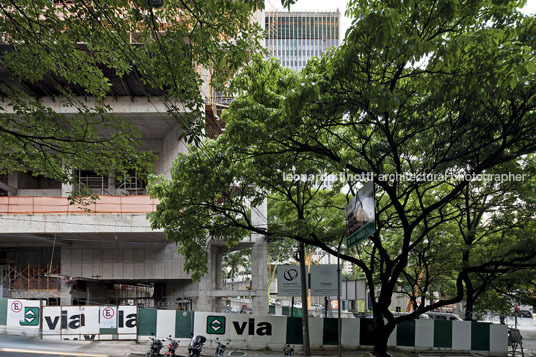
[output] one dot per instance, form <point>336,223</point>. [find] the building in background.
<point>294,37</point>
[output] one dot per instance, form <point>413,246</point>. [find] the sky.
<point>332,5</point>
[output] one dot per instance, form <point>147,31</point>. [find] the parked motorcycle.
<point>220,349</point>
<point>172,347</point>
<point>156,346</point>
<point>289,351</point>
<point>196,346</point>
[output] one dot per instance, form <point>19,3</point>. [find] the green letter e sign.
<point>216,325</point>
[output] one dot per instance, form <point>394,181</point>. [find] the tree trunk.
<point>305,313</point>
<point>470,303</point>
<point>381,336</point>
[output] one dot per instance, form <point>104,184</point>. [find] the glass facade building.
<point>294,37</point>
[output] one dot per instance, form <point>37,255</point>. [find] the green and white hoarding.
<point>360,215</point>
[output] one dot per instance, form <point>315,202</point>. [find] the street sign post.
<point>324,280</point>
<point>360,216</point>
<point>288,280</point>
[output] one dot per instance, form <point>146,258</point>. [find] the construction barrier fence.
<point>241,331</point>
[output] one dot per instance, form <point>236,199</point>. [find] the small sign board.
<point>216,325</point>
<point>108,317</point>
<point>324,280</point>
<point>288,280</point>
<point>360,215</point>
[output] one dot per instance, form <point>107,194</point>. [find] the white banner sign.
<point>71,320</point>
<point>86,322</point>
<point>324,280</point>
<point>108,317</point>
<point>288,280</point>
<point>236,329</point>
<point>128,320</point>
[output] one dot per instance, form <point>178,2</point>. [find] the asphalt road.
<point>22,353</point>
<point>28,347</point>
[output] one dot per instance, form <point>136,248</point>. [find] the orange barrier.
<point>61,205</point>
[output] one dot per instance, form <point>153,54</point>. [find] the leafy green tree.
<point>236,264</point>
<point>508,291</point>
<point>496,220</point>
<point>492,219</point>
<point>67,51</point>
<point>416,89</point>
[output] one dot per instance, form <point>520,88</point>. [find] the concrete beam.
<point>75,223</point>
<point>118,105</point>
<point>224,293</point>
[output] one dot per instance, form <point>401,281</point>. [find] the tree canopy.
<point>67,51</point>
<point>423,96</point>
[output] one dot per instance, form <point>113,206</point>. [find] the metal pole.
<point>339,321</point>
<point>292,307</point>
<point>326,301</point>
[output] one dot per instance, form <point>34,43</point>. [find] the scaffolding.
<point>30,282</point>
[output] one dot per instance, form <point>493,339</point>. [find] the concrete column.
<point>12,184</point>
<point>111,184</point>
<point>13,179</point>
<point>259,261</point>
<point>66,189</point>
<point>65,293</point>
<point>210,282</point>
<point>218,275</point>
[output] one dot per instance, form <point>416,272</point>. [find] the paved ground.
<point>11,346</point>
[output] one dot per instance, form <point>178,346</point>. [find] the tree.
<point>416,90</point>
<point>495,219</point>
<point>509,291</point>
<point>492,219</point>
<point>236,264</point>
<point>67,51</point>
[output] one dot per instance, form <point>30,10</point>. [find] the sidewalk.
<point>133,349</point>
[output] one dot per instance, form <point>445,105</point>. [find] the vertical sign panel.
<point>360,215</point>
<point>108,317</point>
<point>324,280</point>
<point>127,322</point>
<point>288,280</point>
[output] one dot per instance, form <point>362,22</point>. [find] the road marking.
<point>16,350</point>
